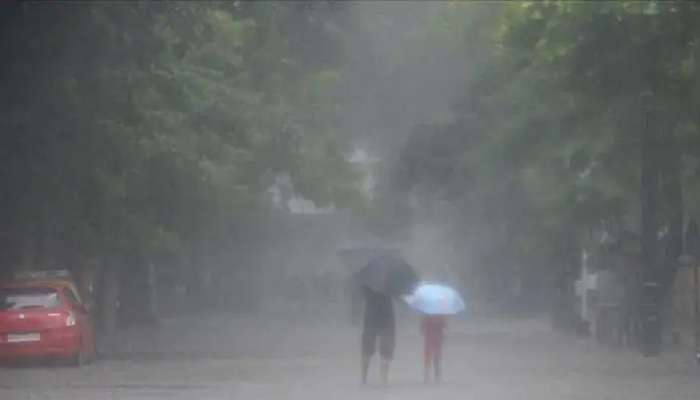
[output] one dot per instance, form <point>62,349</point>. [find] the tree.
<point>545,141</point>
<point>147,133</point>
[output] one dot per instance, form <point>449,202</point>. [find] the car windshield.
<point>24,298</point>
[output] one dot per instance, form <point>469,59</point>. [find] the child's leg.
<point>429,355</point>
<point>426,359</point>
<point>437,358</point>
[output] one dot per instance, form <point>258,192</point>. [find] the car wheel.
<point>90,358</point>
<point>79,359</point>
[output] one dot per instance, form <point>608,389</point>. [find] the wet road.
<point>274,359</point>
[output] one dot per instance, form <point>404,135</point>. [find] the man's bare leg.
<point>385,370</point>
<point>365,367</point>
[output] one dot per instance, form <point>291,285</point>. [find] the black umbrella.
<point>388,274</point>
<point>356,258</point>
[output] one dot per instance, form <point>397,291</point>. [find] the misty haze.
<point>322,200</point>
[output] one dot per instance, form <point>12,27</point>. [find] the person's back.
<point>379,311</point>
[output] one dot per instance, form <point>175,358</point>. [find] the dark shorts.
<point>387,342</point>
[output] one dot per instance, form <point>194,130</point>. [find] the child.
<point>433,327</point>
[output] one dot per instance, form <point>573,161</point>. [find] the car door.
<point>83,320</point>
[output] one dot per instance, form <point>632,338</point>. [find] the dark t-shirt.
<point>379,311</point>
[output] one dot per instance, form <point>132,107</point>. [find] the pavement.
<point>225,357</point>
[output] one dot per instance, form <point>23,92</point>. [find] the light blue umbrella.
<point>435,299</point>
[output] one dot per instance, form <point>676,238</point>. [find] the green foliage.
<point>142,128</point>
<point>545,143</point>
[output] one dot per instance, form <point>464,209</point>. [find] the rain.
<point>353,199</point>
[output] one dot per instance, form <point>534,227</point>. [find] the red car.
<point>44,318</point>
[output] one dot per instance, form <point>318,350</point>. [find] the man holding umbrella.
<point>379,327</point>
<point>384,277</point>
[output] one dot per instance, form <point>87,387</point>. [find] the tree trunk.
<point>673,216</point>
<point>564,315</point>
<point>152,295</point>
<point>649,197</point>
<point>108,298</point>
<point>674,202</point>
<point>28,253</point>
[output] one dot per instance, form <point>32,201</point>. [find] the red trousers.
<point>433,348</point>
<point>433,332</point>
